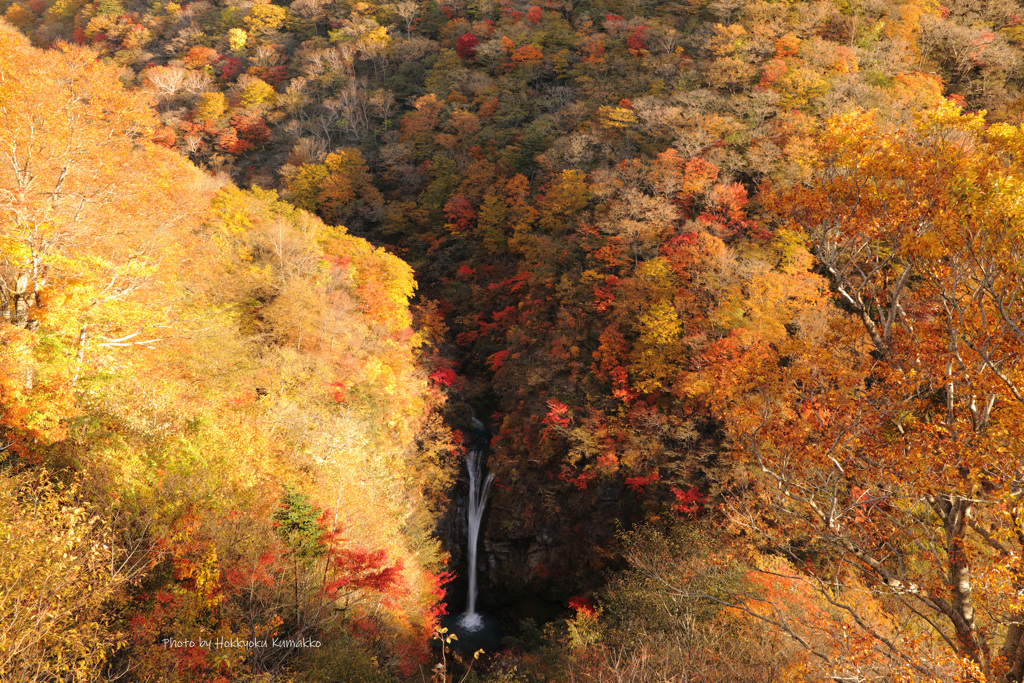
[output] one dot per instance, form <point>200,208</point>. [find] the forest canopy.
<point>210,406</point>
<point>732,286</point>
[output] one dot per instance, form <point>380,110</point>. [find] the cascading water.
<point>478,489</point>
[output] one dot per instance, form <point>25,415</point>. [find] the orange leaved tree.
<point>883,440</point>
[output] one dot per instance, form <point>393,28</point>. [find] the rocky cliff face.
<point>516,568</point>
<point>528,571</point>
<point>530,568</point>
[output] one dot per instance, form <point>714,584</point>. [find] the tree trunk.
<point>5,305</point>
<point>1012,651</point>
<point>20,301</point>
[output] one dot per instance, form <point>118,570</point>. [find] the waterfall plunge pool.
<point>486,634</point>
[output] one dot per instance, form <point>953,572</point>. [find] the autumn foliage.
<point>170,396</point>
<point>732,287</point>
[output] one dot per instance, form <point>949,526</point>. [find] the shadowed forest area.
<point>733,287</point>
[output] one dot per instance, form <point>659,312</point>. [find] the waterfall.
<point>478,488</point>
